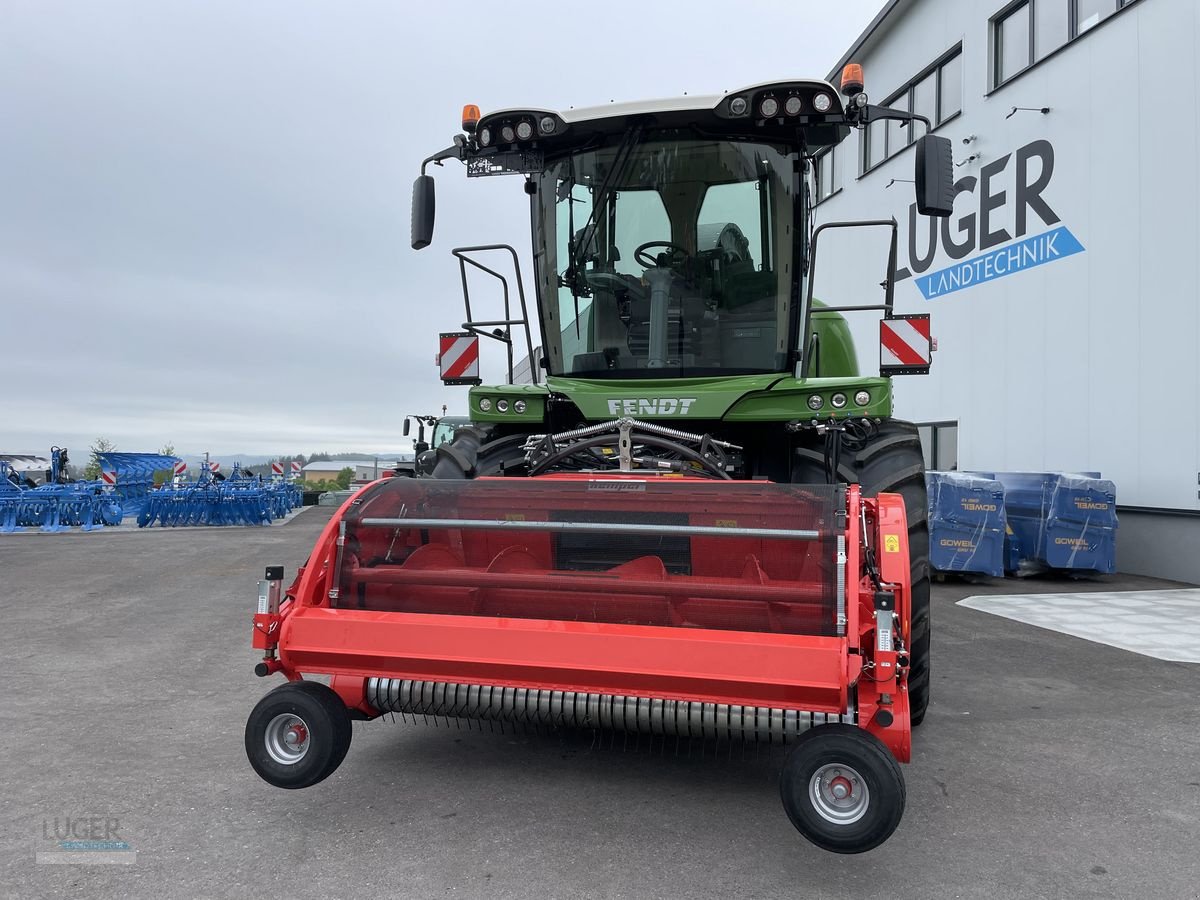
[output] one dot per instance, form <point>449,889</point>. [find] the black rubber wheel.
<point>298,734</point>
<point>842,789</point>
<point>505,456</point>
<point>892,462</point>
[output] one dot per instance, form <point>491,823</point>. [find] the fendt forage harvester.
<point>704,525</point>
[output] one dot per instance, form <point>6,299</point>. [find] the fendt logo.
<point>661,406</point>
<point>984,226</point>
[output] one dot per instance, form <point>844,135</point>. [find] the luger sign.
<point>1028,173</point>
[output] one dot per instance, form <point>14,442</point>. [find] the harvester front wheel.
<point>298,734</point>
<point>891,462</point>
<point>842,789</point>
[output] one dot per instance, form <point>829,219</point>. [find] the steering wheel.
<point>642,258</point>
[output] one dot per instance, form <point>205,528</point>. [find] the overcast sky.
<point>204,207</point>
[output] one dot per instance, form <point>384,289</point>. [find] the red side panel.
<point>746,668</point>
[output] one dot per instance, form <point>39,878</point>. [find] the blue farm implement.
<point>132,476</point>
<point>240,499</point>
<point>57,505</point>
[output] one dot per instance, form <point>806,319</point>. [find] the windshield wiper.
<point>574,275</point>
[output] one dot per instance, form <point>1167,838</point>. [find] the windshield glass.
<point>667,251</point>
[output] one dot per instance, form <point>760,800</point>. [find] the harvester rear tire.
<point>324,730</point>
<point>853,760</point>
<point>892,462</point>
<point>505,456</point>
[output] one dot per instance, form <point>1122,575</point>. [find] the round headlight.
<point>737,106</point>
<point>485,404</point>
<point>769,108</point>
<point>548,124</point>
<point>792,106</point>
<point>862,398</point>
<point>816,401</point>
<point>485,136</point>
<point>524,129</point>
<point>838,400</point>
<point>507,134</point>
<point>502,406</point>
<point>822,102</point>
<point>519,406</point>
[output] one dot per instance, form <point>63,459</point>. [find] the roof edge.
<point>865,38</point>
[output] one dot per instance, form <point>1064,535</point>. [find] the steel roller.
<point>607,712</point>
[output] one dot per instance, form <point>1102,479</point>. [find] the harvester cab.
<point>702,524</point>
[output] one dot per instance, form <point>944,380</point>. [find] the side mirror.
<point>407,426</point>
<point>934,176</point>
<point>422,212</point>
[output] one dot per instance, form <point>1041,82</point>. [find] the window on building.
<point>935,93</point>
<point>1089,13</point>
<point>950,88</point>
<point>1013,44</point>
<point>1027,32</point>
<point>939,444</point>
<point>1051,26</point>
<point>874,143</point>
<point>828,174</point>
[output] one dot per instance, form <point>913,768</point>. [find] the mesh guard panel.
<point>672,552</point>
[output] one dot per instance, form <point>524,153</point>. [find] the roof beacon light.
<point>470,118</point>
<point>852,79</point>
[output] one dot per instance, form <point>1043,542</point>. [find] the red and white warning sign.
<point>108,476</point>
<point>295,467</point>
<point>180,467</point>
<point>905,347</point>
<point>214,466</point>
<point>458,358</point>
<point>276,468</point>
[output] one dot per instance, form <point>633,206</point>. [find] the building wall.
<point>1088,362</point>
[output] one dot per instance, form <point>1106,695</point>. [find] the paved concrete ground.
<point>1048,766</point>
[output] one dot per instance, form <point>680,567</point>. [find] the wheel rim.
<point>287,739</point>
<point>839,794</point>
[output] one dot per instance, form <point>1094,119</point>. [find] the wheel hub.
<point>839,794</point>
<point>287,739</point>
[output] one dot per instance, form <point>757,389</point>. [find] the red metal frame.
<point>753,668</point>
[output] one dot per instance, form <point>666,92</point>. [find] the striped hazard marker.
<point>295,467</point>
<point>109,477</point>
<point>458,358</point>
<point>905,346</point>
<point>276,468</point>
<point>214,466</point>
<point>180,467</point>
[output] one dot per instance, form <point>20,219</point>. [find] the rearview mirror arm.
<point>871,113</point>
<point>455,152</point>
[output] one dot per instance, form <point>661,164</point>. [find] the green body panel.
<point>534,396</point>
<point>835,356</point>
<point>738,398</point>
<point>788,399</point>
<point>777,397</point>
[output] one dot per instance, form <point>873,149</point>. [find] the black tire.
<point>892,462</point>
<point>505,456</point>
<point>326,728</point>
<point>845,757</point>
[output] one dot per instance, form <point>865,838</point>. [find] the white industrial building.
<point>1064,288</point>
